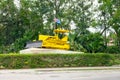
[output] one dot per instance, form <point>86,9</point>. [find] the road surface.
<point>60,74</point>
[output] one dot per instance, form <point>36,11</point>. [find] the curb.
<point>57,69</point>
<point>78,68</point>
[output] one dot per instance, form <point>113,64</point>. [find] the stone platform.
<point>44,50</point>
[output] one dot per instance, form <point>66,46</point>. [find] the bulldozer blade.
<point>34,44</point>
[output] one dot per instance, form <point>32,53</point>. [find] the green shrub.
<point>117,59</point>
<point>112,50</point>
<point>17,61</point>
<point>93,43</point>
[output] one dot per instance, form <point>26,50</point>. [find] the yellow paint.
<point>54,41</point>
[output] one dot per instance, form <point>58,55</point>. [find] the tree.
<point>9,21</point>
<point>112,10</point>
<point>10,30</point>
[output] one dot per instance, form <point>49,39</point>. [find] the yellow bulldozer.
<point>58,41</point>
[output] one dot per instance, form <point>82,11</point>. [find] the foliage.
<point>36,17</point>
<point>113,50</point>
<point>117,59</point>
<point>73,40</point>
<point>17,61</point>
<point>21,24</point>
<point>92,42</point>
<point>111,10</point>
<point>16,24</point>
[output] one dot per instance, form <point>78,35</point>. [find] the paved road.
<point>61,74</point>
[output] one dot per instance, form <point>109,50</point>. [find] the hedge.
<point>117,59</point>
<point>18,61</point>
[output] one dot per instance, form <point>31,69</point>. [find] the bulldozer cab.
<point>62,34</point>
